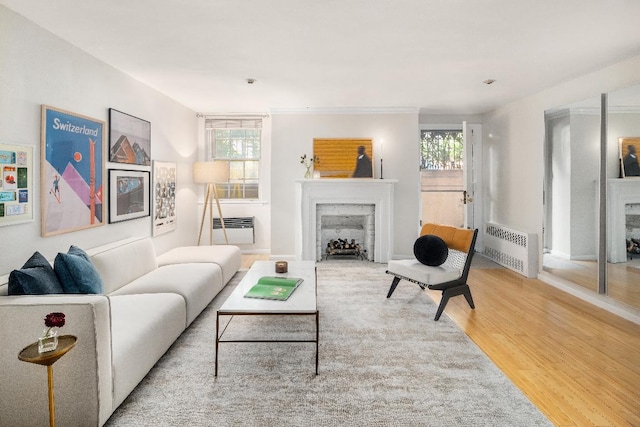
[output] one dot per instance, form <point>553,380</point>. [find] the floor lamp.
<point>209,173</point>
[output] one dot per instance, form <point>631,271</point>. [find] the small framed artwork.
<point>129,139</point>
<point>128,195</point>
<point>629,152</point>
<point>164,197</point>
<point>16,184</point>
<point>343,157</point>
<point>71,172</point>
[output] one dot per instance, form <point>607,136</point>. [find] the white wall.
<point>292,136</point>
<point>513,145</point>
<point>38,68</point>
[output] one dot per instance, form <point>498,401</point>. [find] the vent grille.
<point>240,230</point>
<point>242,222</point>
<point>513,249</point>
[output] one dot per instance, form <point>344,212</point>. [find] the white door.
<point>447,174</point>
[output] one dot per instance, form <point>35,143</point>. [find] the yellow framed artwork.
<point>629,152</point>
<point>343,157</point>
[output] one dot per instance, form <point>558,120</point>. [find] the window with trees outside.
<point>237,141</point>
<point>441,149</point>
<point>442,176</point>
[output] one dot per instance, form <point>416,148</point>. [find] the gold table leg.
<point>52,410</point>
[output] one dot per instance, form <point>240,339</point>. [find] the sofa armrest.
<point>82,377</point>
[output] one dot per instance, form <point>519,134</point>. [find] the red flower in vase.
<point>54,320</point>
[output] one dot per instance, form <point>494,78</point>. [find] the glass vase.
<point>48,341</point>
<point>307,174</point>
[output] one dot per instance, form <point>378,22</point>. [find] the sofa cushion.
<point>143,327</point>
<point>430,250</point>
<point>413,269</point>
<point>228,257</point>
<point>121,263</point>
<point>77,273</point>
<point>36,277</point>
<point>197,283</point>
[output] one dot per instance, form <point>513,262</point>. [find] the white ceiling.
<point>427,54</point>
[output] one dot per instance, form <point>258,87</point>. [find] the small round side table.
<point>30,354</point>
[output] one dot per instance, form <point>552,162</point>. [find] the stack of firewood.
<point>342,244</point>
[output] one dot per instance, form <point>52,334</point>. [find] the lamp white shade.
<point>210,172</point>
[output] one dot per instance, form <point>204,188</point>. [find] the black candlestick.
<point>380,168</point>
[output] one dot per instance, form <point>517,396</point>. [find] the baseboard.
<point>622,310</point>
<point>282,258</point>
<point>255,251</point>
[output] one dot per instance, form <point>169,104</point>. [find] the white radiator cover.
<point>239,230</point>
<point>516,250</point>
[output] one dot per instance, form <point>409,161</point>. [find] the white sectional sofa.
<point>148,301</point>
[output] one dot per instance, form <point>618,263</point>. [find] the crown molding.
<point>594,111</point>
<point>346,110</point>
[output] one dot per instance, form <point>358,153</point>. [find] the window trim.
<point>213,123</point>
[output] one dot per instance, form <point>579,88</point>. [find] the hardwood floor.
<point>579,364</point>
<point>248,259</point>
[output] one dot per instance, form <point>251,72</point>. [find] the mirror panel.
<point>571,203</point>
<point>623,197</point>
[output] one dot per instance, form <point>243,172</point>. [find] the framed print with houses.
<point>129,139</point>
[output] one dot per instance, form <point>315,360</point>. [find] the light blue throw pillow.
<point>77,273</point>
<point>36,277</point>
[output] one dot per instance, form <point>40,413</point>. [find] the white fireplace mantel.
<point>311,192</point>
<point>619,193</point>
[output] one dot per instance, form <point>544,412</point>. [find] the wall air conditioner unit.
<point>239,230</point>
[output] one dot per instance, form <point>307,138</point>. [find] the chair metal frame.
<point>450,288</point>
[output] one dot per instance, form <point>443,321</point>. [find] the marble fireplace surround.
<point>311,192</point>
<point>620,192</point>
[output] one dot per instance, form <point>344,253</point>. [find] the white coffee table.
<point>302,302</point>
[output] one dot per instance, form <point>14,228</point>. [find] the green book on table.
<point>277,288</point>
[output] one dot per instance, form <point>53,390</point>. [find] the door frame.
<point>473,176</point>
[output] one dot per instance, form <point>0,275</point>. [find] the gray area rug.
<point>383,362</point>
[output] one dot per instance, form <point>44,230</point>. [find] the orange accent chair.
<point>451,277</point>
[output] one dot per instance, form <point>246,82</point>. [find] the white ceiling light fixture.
<point>251,81</point>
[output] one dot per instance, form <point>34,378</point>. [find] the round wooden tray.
<point>30,352</point>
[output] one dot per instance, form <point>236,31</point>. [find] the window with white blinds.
<point>238,141</point>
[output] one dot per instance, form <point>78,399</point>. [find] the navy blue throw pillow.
<point>77,273</point>
<point>430,250</point>
<point>36,277</point>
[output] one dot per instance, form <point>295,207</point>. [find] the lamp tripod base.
<point>208,204</point>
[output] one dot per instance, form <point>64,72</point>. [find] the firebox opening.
<point>344,235</point>
<point>345,230</point>
<point>632,229</point>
